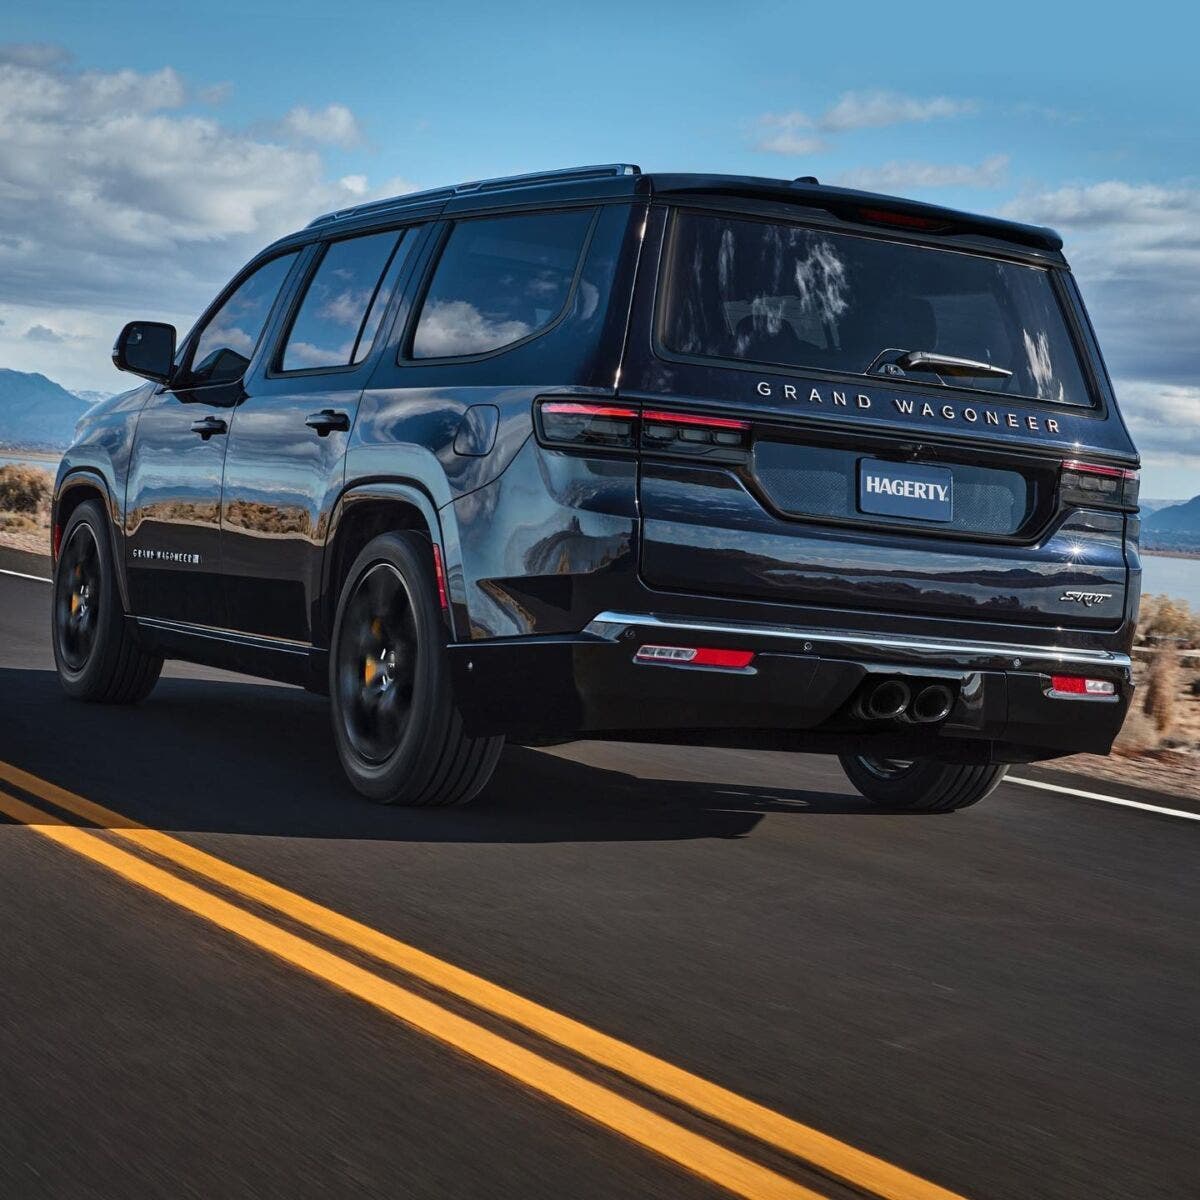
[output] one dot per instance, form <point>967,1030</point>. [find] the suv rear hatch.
<point>875,417</point>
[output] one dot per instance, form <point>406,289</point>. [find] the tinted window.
<point>498,281</point>
<point>801,297</point>
<point>342,307</point>
<point>226,345</point>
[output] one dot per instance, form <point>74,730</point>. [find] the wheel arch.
<point>75,488</point>
<point>362,512</point>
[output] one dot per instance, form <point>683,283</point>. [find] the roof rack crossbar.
<point>597,171</point>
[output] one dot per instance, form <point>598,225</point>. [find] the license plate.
<point>905,490</point>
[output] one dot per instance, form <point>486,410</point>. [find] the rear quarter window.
<point>792,296</point>
<point>500,280</point>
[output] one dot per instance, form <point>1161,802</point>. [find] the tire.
<point>94,650</point>
<point>399,736</point>
<point>920,784</point>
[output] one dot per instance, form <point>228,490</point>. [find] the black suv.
<point>596,453</point>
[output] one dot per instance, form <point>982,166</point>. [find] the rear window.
<point>757,291</point>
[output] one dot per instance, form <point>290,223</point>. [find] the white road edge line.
<point>22,575</point>
<point>1054,787</point>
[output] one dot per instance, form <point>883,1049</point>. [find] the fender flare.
<point>86,476</point>
<point>444,536</point>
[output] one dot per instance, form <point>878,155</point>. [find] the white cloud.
<point>788,133</point>
<point>34,54</point>
<point>798,132</point>
<point>334,125</point>
<point>1136,251</point>
<point>1164,420</point>
<point>875,110</point>
<point>43,333</point>
<point>120,199</point>
<point>458,327</point>
<point>894,176</point>
<point>1135,248</point>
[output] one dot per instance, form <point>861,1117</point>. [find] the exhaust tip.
<point>932,703</point>
<point>887,700</point>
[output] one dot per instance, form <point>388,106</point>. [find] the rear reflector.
<point>695,656</point>
<point>1076,685</point>
<point>439,570</point>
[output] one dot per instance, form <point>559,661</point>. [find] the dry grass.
<point>1165,618</point>
<point>24,489</point>
<point>25,508</point>
<point>1162,691</point>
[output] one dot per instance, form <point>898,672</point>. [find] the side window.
<point>341,310</point>
<point>226,344</point>
<point>500,279</point>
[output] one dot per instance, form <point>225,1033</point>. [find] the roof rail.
<point>598,171</point>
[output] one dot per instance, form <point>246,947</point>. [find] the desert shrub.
<point>23,489</point>
<point>1195,687</point>
<point>1162,690</point>
<point>1166,617</point>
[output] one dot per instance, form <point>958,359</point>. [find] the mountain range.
<point>36,413</point>
<point>1173,528</point>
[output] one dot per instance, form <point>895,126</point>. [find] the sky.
<point>146,153</point>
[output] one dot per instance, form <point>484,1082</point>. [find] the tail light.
<point>1095,484</point>
<point>587,426</point>
<point>668,431</point>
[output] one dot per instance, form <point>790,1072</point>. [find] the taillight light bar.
<point>601,425</point>
<point>682,431</point>
<point>1097,484</point>
<point>1078,687</point>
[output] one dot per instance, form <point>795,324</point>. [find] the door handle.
<point>207,426</point>
<point>326,421</point>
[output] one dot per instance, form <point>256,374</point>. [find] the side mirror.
<point>146,348</point>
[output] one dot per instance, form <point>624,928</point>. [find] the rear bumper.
<point>797,694</point>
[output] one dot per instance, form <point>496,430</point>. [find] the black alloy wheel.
<point>399,733</point>
<point>95,646</point>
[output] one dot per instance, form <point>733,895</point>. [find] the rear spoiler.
<point>848,204</point>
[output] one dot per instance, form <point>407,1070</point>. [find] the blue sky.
<point>145,152</point>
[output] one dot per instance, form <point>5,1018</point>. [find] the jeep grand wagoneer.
<point>598,453</point>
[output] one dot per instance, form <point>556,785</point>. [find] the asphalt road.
<point>1001,1002</point>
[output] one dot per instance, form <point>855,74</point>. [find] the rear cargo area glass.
<point>807,298</point>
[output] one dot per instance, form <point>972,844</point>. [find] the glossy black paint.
<point>233,543</point>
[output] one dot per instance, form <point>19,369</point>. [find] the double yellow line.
<point>693,1151</point>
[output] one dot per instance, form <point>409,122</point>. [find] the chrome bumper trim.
<point>870,646</point>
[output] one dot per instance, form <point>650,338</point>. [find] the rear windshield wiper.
<point>946,364</point>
